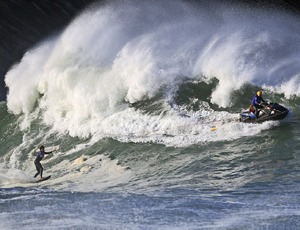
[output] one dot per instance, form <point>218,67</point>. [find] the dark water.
<point>26,23</point>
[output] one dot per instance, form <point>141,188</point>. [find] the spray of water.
<point>81,80</point>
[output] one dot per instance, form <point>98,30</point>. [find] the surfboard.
<point>45,178</point>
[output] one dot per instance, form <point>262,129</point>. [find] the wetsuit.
<point>38,164</point>
<point>256,102</point>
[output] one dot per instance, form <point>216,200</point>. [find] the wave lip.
<point>113,56</point>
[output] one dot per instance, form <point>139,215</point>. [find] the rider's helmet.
<point>259,93</point>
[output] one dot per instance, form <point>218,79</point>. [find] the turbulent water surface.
<point>130,92</point>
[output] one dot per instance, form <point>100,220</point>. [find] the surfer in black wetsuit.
<point>37,161</point>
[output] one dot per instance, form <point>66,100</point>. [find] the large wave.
<point>84,80</point>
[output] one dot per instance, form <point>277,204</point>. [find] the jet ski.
<point>270,112</point>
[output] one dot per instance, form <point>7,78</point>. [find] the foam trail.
<point>127,51</point>
<point>13,177</point>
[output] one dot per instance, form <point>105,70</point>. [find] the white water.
<point>84,173</point>
<point>123,52</point>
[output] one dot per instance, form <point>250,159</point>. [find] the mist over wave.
<point>140,100</point>
<point>83,80</point>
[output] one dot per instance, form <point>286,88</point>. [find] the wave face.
<point>130,92</point>
<point>122,53</point>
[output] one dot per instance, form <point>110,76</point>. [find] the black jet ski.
<point>271,112</point>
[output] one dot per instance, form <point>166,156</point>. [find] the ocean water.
<point>130,92</point>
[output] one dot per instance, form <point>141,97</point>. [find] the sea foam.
<point>123,52</point>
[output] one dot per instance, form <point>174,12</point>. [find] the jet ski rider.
<point>258,102</point>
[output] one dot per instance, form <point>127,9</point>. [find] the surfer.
<point>258,102</point>
<point>37,161</point>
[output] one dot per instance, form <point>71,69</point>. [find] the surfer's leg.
<point>37,169</point>
<point>41,171</point>
<point>36,174</point>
